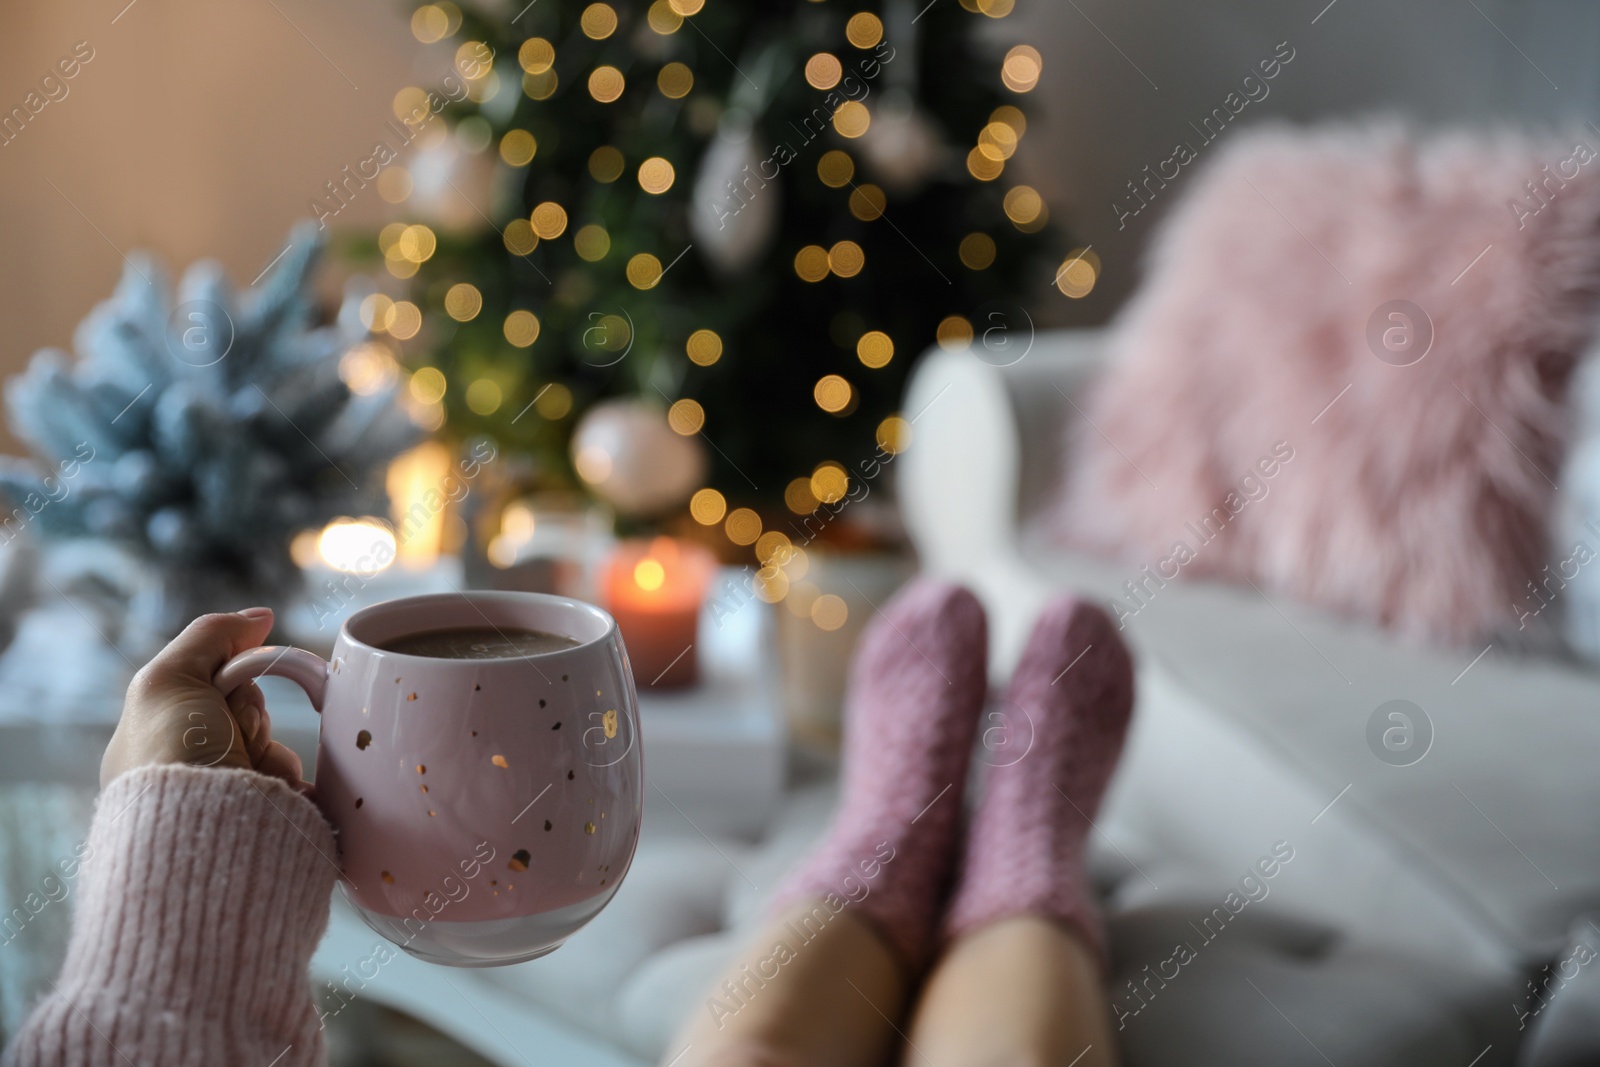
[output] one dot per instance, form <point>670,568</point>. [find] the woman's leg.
<point>790,1002</point>
<point>1020,992</point>
<point>861,914</point>
<point>1020,983</point>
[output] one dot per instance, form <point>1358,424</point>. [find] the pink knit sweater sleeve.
<point>204,894</point>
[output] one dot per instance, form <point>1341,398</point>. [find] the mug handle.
<point>305,669</point>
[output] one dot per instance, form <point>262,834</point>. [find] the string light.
<point>517,148</point>
<point>549,220</point>
<point>484,396</point>
<point>894,434</point>
<point>394,184</point>
<point>368,368</point>
<point>605,164</point>
<point>536,55</point>
<point>829,482</point>
<point>982,167</point>
<point>1010,116</point>
<point>417,243</point>
<point>521,328</point>
<point>977,251</point>
<point>407,320</point>
<point>429,24</point>
<point>687,7</point>
<point>995,9</point>
<point>598,21</point>
<point>829,612</point>
<point>592,242</point>
<point>846,259</point>
<point>686,417</point>
<point>867,203</point>
<point>606,84</point>
<point>428,385</point>
<point>823,71</point>
<point>832,393</point>
<point>644,271</point>
<point>463,302</point>
<point>519,237</point>
<point>1023,204</point>
<point>954,333</point>
<point>704,347</point>
<point>675,81</point>
<point>469,58</point>
<point>875,349</point>
<point>799,498</point>
<point>811,263</point>
<point>852,119</point>
<point>554,401</point>
<point>1021,69</point>
<point>540,86</point>
<point>377,312</point>
<point>997,140</point>
<point>835,169</point>
<point>656,175</point>
<point>1078,273</point>
<point>864,30</point>
<point>743,526</point>
<point>663,19</point>
<point>707,507</point>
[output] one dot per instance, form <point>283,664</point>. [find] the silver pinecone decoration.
<point>199,436</point>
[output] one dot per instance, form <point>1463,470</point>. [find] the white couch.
<point>1419,898</point>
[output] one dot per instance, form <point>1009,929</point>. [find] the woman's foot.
<point>916,689</point>
<point>1025,852</point>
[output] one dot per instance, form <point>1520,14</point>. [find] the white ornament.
<point>902,146</point>
<point>632,459</point>
<point>735,209</point>
<point>451,188</point>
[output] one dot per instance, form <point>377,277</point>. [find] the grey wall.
<point>1097,120</point>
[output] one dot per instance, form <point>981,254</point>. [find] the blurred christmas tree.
<point>757,214</point>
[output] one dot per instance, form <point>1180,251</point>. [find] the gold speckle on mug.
<point>597,692</point>
<point>557,726</point>
<point>519,860</point>
<point>498,760</point>
<point>563,677</point>
<point>570,776</point>
<point>588,828</point>
<point>541,703</point>
<point>363,739</point>
<point>413,696</point>
<point>548,826</point>
<point>397,681</point>
<point>388,879</point>
<point>360,801</point>
<point>609,721</point>
<point>493,882</point>
<point>474,733</point>
<point>476,687</point>
<point>422,768</point>
<point>431,814</point>
<point>424,787</point>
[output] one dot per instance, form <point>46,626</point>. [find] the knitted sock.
<point>916,688</point>
<point>1025,851</point>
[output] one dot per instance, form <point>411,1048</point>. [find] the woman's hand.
<point>173,714</point>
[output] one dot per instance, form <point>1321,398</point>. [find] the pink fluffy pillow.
<point>1247,429</point>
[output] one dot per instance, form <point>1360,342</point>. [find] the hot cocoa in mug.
<point>479,762</point>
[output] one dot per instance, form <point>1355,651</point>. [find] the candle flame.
<point>649,574</point>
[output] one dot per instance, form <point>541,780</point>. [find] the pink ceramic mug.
<point>486,809</point>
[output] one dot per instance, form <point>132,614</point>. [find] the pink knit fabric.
<point>1025,848</point>
<point>203,898</point>
<point>1248,427</point>
<point>916,689</point>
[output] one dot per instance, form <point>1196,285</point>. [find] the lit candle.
<point>654,589</point>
